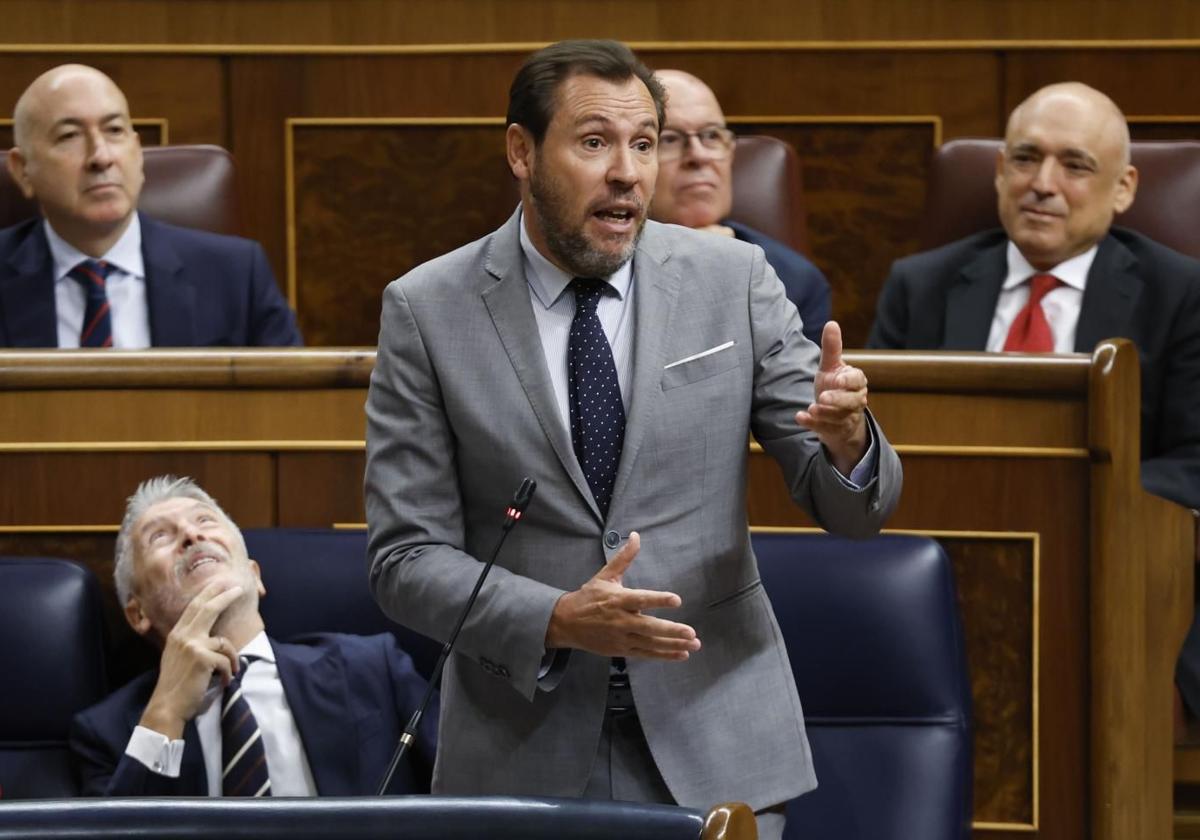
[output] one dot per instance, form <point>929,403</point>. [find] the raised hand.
<point>604,617</point>
<point>190,658</point>
<point>838,412</point>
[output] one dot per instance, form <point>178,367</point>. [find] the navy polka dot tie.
<point>597,413</point>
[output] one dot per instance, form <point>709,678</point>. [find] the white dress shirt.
<point>126,289</point>
<point>287,763</point>
<point>1061,305</point>
<point>554,310</point>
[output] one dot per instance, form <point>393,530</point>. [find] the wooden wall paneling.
<point>263,93</point>
<point>321,489</point>
<point>996,576</point>
<point>845,83</point>
<point>187,91</point>
<point>1140,81</point>
<point>388,22</point>
<point>1164,126</point>
<point>864,186</point>
<point>152,131</point>
<point>267,91</point>
<point>86,486</point>
<point>373,201</point>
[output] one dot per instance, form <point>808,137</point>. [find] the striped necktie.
<point>243,758</point>
<point>597,413</point>
<point>97,320</point>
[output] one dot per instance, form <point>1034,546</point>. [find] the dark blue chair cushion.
<point>52,658</point>
<point>316,582</point>
<point>393,818</point>
<point>876,645</point>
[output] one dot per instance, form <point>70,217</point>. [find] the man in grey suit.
<point>629,393</point>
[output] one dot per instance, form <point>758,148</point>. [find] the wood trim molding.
<point>522,47</point>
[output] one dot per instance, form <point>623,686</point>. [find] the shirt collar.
<point>125,254</point>
<point>260,647</point>
<point>548,281</point>
<point>1072,272</point>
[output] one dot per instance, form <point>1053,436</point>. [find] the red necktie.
<point>1030,332</point>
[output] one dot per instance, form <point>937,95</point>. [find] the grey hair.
<point>149,493</point>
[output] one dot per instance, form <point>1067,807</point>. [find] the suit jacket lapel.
<point>654,291</point>
<point>27,296</point>
<point>169,298</point>
<point>507,302</point>
<point>317,692</point>
<point>1110,296</point>
<point>971,301</point>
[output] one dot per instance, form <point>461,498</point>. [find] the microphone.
<point>512,515</point>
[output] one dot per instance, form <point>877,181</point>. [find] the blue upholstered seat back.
<point>316,582</point>
<point>362,818</point>
<point>52,660</point>
<point>876,645</point>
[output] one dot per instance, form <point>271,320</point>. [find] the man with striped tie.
<point>230,711</point>
<point>96,273</point>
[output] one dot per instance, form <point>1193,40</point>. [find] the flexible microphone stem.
<point>512,515</point>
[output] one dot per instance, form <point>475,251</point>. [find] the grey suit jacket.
<point>461,407</point>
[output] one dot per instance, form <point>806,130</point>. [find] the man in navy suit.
<point>96,273</point>
<point>1063,174</point>
<point>323,716</point>
<point>695,189</point>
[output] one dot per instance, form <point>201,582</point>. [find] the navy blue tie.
<point>97,320</point>
<point>243,758</point>
<point>597,413</point>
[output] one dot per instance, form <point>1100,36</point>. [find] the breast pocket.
<point>703,365</point>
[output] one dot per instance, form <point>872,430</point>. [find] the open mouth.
<point>619,218</point>
<point>201,560</point>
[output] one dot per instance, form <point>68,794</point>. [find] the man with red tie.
<point>1060,278</point>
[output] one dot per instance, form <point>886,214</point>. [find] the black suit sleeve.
<point>105,770</point>
<point>272,322</point>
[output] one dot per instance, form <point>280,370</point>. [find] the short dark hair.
<point>535,87</point>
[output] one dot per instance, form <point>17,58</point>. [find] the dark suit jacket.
<point>1137,289</point>
<point>803,282</point>
<point>202,290</point>
<point>351,697</point>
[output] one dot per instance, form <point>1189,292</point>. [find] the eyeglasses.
<point>717,140</point>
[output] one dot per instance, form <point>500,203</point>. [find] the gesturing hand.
<point>190,658</point>
<point>604,617</point>
<point>837,414</point>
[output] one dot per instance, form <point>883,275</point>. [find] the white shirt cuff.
<point>156,751</point>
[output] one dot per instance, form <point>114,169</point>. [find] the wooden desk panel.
<point>1074,583</point>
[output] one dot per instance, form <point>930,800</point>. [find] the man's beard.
<point>570,246</point>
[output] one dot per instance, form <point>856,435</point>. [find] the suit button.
<point>611,539</point>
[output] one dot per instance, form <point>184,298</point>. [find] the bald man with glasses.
<point>695,189</point>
